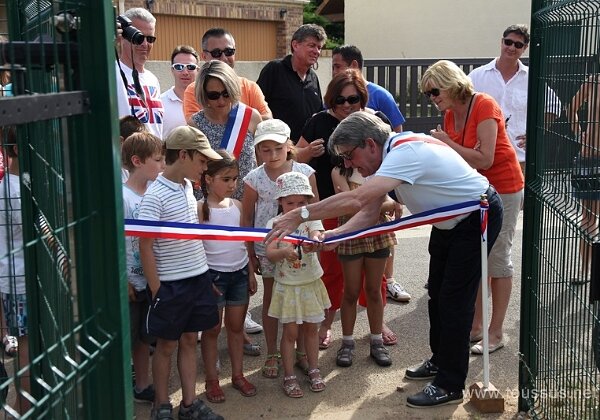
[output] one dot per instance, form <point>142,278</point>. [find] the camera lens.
<point>130,32</point>
<point>133,35</point>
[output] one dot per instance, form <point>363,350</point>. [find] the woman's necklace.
<point>464,130</point>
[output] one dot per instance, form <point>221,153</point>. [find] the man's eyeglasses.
<point>432,92</point>
<point>214,95</point>
<point>352,99</point>
<point>509,42</point>
<point>181,67</point>
<point>151,39</point>
<point>348,155</point>
<point>216,53</point>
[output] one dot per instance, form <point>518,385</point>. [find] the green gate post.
<point>108,389</point>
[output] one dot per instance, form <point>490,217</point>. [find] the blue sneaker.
<point>197,411</point>
<point>145,395</point>
<point>163,412</point>
<point>432,396</point>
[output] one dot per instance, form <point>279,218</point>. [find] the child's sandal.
<point>271,366</point>
<point>241,384</point>
<point>291,387</point>
<point>214,393</point>
<point>316,381</point>
<point>302,362</point>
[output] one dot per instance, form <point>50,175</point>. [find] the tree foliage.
<point>335,31</point>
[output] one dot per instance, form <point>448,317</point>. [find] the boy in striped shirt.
<point>183,301</point>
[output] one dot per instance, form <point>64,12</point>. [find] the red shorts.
<point>333,278</point>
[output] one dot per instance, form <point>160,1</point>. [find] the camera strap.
<point>136,80</point>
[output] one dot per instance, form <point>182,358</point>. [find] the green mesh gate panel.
<point>559,348</point>
<point>66,207</point>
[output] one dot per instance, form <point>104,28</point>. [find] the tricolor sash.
<point>175,230</point>
<point>236,129</point>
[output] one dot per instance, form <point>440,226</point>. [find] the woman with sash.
<point>228,123</point>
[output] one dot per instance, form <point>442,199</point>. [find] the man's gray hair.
<point>141,14</point>
<point>310,30</point>
<point>355,129</point>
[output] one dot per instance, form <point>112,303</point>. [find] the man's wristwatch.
<point>304,214</point>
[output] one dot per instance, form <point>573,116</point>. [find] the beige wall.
<point>431,28</point>
<point>248,69</point>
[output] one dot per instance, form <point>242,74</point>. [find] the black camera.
<point>130,32</point>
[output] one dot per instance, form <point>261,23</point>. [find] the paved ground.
<point>366,391</point>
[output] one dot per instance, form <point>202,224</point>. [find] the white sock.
<point>389,280</point>
<point>376,337</point>
<point>348,338</point>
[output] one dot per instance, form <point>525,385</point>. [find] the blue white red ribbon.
<point>175,230</point>
<point>236,129</point>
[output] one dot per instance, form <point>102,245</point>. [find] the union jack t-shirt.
<point>149,110</point>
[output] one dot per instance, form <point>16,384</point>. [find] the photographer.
<point>138,90</point>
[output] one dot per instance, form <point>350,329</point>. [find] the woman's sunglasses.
<point>214,95</point>
<point>352,99</point>
<point>432,92</point>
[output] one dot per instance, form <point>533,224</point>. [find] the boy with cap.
<point>183,301</point>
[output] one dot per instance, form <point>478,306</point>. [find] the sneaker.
<point>163,412</point>
<point>250,326</point>
<point>345,355</point>
<point>426,370</point>
<point>380,354</point>
<point>432,396</point>
<point>145,395</point>
<point>197,411</point>
<point>396,292</point>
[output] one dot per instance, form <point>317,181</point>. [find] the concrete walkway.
<point>366,391</point>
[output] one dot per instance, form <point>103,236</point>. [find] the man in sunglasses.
<point>184,68</point>
<point>505,79</point>
<point>138,90</point>
<point>218,44</point>
<point>290,84</point>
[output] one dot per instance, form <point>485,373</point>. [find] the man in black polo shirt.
<point>290,85</point>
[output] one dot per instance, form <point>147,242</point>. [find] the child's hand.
<point>216,290</point>
<point>252,285</point>
<point>130,292</point>
<point>290,254</point>
<point>309,247</point>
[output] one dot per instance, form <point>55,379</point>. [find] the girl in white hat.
<point>299,297</point>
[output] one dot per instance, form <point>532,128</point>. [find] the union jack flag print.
<point>149,110</point>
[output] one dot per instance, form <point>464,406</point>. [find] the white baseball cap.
<point>275,130</point>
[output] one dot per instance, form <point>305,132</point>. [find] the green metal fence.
<point>60,56</point>
<point>561,276</point>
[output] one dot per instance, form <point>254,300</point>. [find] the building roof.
<point>332,10</point>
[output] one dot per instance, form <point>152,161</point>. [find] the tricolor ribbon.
<point>236,129</point>
<point>176,230</point>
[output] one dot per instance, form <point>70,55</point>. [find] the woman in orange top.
<point>475,128</point>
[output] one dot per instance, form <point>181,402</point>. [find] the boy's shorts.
<point>233,286</point>
<point>188,305</point>
<point>15,313</point>
<point>138,309</point>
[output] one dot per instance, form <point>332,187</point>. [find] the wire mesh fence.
<point>559,360</point>
<point>61,263</point>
